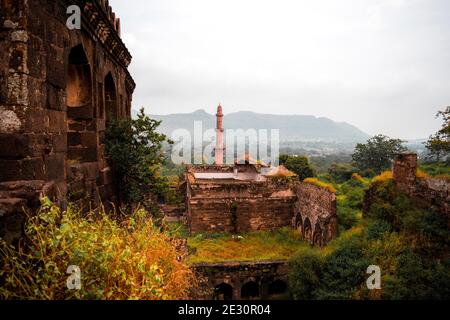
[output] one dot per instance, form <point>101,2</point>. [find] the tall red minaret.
<point>219,137</point>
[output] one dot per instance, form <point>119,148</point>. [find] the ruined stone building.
<point>249,196</point>
<point>59,88</point>
<point>425,192</point>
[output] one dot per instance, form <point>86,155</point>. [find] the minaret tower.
<point>219,137</point>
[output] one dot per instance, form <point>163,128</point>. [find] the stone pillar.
<point>404,171</point>
<point>219,140</point>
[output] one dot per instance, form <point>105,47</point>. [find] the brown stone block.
<point>82,154</point>
<point>14,146</point>
<point>56,70</point>
<point>81,113</point>
<point>59,143</point>
<point>56,98</point>
<point>76,126</point>
<point>55,167</point>
<point>27,169</point>
<point>36,56</point>
<point>89,140</point>
<point>57,122</point>
<point>37,93</point>
<point>32,169</point>
<point>17,89</point>
<point>73,139</point>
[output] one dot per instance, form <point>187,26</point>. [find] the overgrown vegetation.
<point>134,148</point>
<point>376,154</point>
<point>410,245</point>
<point>299,165</point>
<point>279,244</point>
<point>130,259</point>
<point>438,145</point>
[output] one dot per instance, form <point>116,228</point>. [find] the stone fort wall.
<point>433,193</point>
<point>59,89</point>
<point>239,207</point>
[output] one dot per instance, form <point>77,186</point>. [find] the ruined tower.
<point>219,138</point>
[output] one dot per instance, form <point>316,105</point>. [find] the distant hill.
<point>292,127</point>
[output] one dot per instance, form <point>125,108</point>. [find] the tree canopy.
<point>134,148</point>
<point>438,145</point>
<point>299,165</point>
<point>377,153</point>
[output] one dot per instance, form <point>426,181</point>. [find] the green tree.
<point>134,148</point>
<point>299,165</point>
<point>438,144</point>
<point>377,153</point>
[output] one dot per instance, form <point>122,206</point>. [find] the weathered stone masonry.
<point>242,280</point>
<point>58,90</point>
<point>432,193</point>
<point>245,198</point>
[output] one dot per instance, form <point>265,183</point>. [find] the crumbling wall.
<point>315,213</point>
<point>49,144</point>
<point>432,193</point>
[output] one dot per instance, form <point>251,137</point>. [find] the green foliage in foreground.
<point>410,245</point>
<point>131,259</point>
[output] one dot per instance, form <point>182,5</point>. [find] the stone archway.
<point>277,288</point>
<point>250,291</point>
<point>318,235</point>
<point>307,230</point>
<point>81,134</point>
<point>299,224</point>
<point>223,291</point>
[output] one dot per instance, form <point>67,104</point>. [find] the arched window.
<point>111,107</point>
<point>250,290</point>
<point>81,135</point>
<point>223,291</point>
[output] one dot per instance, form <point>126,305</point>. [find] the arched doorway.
<point>318,237</point>
<point>307,230</point>
<point>277,289</point>
<point>111,107</point>
<point>223,291</point>
<point>299,224</point>
<point>250,291</point>
<point>81,136</point>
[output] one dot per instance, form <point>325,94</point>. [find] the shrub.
<point>377,230</point>
<point>300,166</point>
<point>384,176</point>
<point>127,260</point>
<point>347,217</point>
<point>305,275</point>
<point>321,184</point>
<point>134,148</point>
<point>341,172</point>
<point>343,271</point>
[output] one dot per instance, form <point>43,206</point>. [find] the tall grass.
<point>131,259</point>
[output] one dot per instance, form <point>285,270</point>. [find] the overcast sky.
<point>382,65</point>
